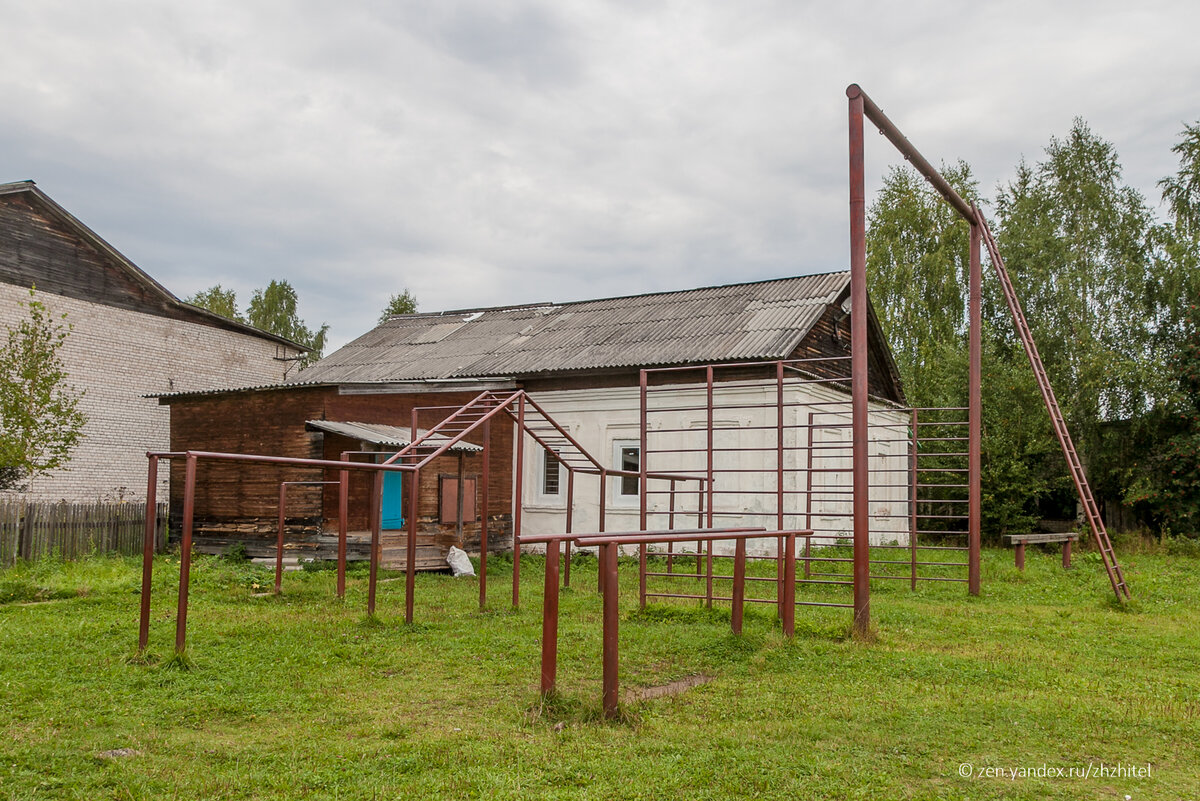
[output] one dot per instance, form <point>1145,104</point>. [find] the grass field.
<point>301,696</point>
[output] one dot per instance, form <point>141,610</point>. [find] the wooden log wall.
<point>238,503</point>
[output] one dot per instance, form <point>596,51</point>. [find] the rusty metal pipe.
<point>148,542</point>
<point>550,619</point>
<point>859,370</point>
<point>975,412</point>
<point>185,552</point>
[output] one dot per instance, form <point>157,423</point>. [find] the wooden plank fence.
<point>30,530</point>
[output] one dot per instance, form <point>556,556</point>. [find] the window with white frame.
<point>627,455</point>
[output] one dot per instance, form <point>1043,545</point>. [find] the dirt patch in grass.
<point>662,690</point>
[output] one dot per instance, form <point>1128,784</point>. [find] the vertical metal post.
<point>708,373</point>
<point>185,552</point>
<point>148,541</point>
<point>410,547</point>
<point>858,370</point>
<point>643,488</point>
<point>912,499</point>
<point>974,402</point>
<point>700,524</point>
<point>808,499</point>
<point>376,523</point>
<point>483,517</point>
<point>708,592</point>
<point>671,527</point>
<point>550,619</point>
<point>603,496</point>
<point>739,585</point>
<point>789,587</point>
<point>611,618</point>
<point>343,525</point>
<point>570,519</point>
<point>518,501</point>
<point>779,478</point>
<point>279,538</point>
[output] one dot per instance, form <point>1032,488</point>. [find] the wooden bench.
<point>1021,540</point>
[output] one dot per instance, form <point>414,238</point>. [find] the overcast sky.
<point>488,153</point>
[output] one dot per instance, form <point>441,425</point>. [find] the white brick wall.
<point>118,356</point>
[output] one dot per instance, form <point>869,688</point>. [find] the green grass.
<point>302,696</point>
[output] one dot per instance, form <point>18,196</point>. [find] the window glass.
<point>550,473</point>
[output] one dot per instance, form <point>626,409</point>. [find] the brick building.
<point>130,337</point>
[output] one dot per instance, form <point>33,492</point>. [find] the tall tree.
<point>219,300</point>
<point>404,303</point>
<point>274,309</point>
<point>40,420</point>
<point>1076,240</point>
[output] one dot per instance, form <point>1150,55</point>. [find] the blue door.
<point>393,499</point>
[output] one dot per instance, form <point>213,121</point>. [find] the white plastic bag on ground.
<point>460,563</point>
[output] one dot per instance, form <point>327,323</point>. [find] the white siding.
<point>598,417</point>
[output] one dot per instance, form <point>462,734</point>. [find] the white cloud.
<point>486,152</point>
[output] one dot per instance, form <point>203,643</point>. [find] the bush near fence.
<point>31,530</point>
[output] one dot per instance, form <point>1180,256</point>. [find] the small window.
<point>550,474</point>
<point>629,459</point>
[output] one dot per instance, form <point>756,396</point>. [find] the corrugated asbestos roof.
<point>762,320</point>
<point>378,434</point>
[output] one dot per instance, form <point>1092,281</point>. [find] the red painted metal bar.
<point>858,370</point>
<point>410,547</point>
<point>298,462</point>
<point>671,527</point>
<point>185,552</point>
<point>779,498</point>
<point>483,518</point>
<point>570,520</point>
<point>912,502</point>
<point>518,500</point>
<point>148,542</point>
<point>808,496</point>
<point>643,484</point>
<point>611,617</point>
<point>376,524</point>
<point>708,373</point>
<point>550,619</point>
<point>343,526</point>
<point>739,586</point>
<point>788,613</point>
<point>279,539</point>
<point>975,413</point>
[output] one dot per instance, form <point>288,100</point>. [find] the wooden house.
<point>581,360</point>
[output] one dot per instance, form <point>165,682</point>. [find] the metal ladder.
<point>1090,509</point>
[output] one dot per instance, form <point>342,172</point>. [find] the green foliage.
<point>274,309</point>
<point>1075,240</point>
<point>1166,465</point>
<point>218,300</point>
<point>404,303</point>
<point>918,252</point>
<point>40,420</point>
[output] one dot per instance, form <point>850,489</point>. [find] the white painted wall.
<point>116,356</point>
<point>597,418</point>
